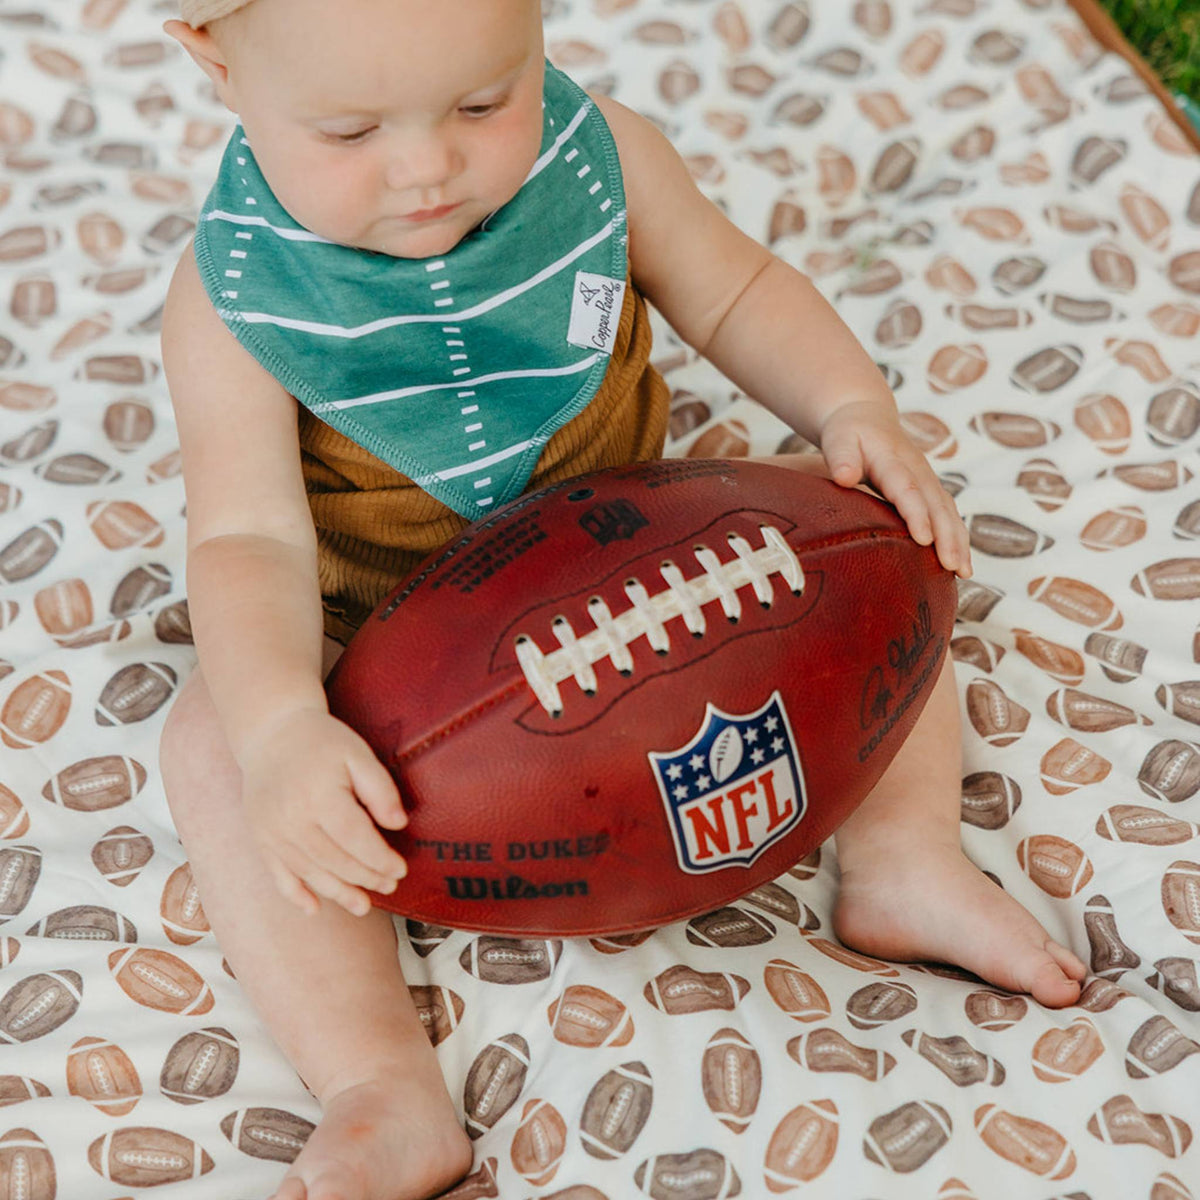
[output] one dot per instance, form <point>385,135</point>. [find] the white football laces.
<point>647,615</point>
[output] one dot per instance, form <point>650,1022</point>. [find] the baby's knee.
<point>190,737</point>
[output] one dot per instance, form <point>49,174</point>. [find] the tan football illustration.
<point>682,989</point>
<point>1171,771</point>
<point>1067,766</point>
<point>829,1050</point>
<point>1091,714</point>
<point>39,1004</point>
<point>1111,957</point>
<point>1027,1143</point>
<point>26,1166</point>
<point>35,710</point>
<point>1144,826</point>
<point>135,692</point>
<point>1158,1045</point>
<point>103,1074</point>
<point>802,1145</point>
<point>616,1110</point>
<point>587,1016</point>
<point>1044,483</point>
<point>539,1142</point>
<point>994,1010</point>
<point>977,652</point>
<point>1058,661</point>
<point>930,434</point>
<point>995,716</point>
<point>160,980</point>
<point>1120,659</point>
<point>121,854</point>
<point>1104,420</point>
<point>989,799</point>
<point>731,1078</point>
<point>880,1003</point>
<point>1114,528</point>
<point>180,910</point>
<point>64,607</point>
<point>675,1175</point>
<point>439,1009</point>
<point>1062,1054</point>
<point>510,960</point>
<point>795,991</point>
<point>956,1058</point>
<point>1058,866</point>
<point>851,958</point>
<point>1181,898</point>
<point>1077,601</point>
<point>1120,1121</point>
<point>1003,537</point>
<point>120,524</point>
<point>905,1138</point>
<point>139,1156</point>
<point>20,869</point>
<point>201,1065</point>
<point>270,1133</point>
<point>728,927</point>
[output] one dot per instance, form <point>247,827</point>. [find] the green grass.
<point>1167,35</point>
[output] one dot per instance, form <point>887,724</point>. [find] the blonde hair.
<point>200,12</point>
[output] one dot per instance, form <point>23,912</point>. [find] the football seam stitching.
<point>479,709</point>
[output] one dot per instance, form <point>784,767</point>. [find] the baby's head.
<point>361,113</point>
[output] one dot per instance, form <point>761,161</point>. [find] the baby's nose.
<point>422,163</point>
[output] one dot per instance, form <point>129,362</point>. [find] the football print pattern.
<point>1010,223</point>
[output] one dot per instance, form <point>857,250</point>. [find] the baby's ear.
<point>206,54</point>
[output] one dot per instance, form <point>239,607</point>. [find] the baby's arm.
<point>767,328</point>
<point>255,612</point>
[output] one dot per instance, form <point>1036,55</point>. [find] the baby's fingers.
<point>365,861</point>
<point>843,454</point>
<point>951,538</point>
<point>290,887</point>
<point>900,486</point>
<point>316,865</point>
<point>376,790</point>
<point>355,901</point>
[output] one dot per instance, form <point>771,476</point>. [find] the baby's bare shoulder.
<point>202,358</point>
<point>236,422</point>
<point>686,256</point>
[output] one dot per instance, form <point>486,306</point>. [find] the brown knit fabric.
<point>374,525</point>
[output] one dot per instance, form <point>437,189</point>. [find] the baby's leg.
<point>908,892</point>
<point>329,988</point>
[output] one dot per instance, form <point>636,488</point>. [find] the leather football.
<point>634,696</point>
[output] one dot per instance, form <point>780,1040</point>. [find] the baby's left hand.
<point>863,441</point>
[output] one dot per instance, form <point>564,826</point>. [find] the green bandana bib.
<point>454,370</point>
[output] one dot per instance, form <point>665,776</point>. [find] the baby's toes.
<point>1070,962</point>
<point>1049,981</point>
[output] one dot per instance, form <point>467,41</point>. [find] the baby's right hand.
<point>308,785</point>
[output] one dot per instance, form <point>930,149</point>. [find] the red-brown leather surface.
<point>558,824</point>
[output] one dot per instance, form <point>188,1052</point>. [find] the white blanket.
<point>1012,227</point>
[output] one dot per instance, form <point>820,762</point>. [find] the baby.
<point>383,331</point>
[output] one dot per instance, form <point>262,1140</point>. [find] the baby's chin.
<point>401,240</point>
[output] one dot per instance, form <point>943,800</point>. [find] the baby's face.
<point>365,115</point>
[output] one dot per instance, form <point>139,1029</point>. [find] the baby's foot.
<point>917,903</point>
<point>387,1138</point>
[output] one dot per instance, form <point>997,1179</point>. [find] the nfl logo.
<point>734,790</point>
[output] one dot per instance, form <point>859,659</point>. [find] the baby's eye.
<point>479,110</point>
<point>349,138</point>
